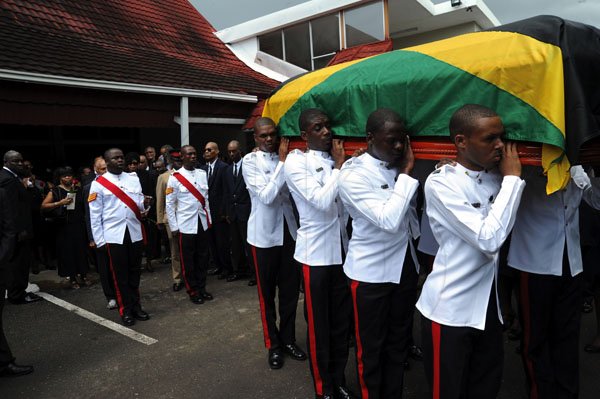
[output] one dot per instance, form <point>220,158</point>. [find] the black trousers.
<point>106,278</point>
<point>551,316</point>
<point>193,251</point>
<point>18,270</point>
<point>240,250</point>
<point>464,362</point>
<point>277,272</point>
<point>125,266</point>
<point>6,356</point>
<point>383,315</point>
<point>218,238</point>
<point>328,309</point>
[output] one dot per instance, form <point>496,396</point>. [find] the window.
<point>271,43</point>
<point>364,24</point>
<point>297,45</point>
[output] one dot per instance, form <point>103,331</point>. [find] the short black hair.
<point>106,155</point>
<point>463,119</point>
<point>132,156</point>
<point>262,121</point>
<point>307,116</point>
<point>62,171</point>
<point>380,117</point>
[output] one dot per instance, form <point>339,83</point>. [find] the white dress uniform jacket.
<point>314,186</point>
<point>265,180</point>
<point>183,209</point>
<point>471,214</point>
<point>546,222</point>
<point>382,210</point>
<point>109,216</point>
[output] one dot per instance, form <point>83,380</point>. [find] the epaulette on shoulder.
<point>443,170</point>
<point>250,155</point>
<point>296,152</point>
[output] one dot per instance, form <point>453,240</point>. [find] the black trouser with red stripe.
<point>464,362</point>
<point>327,308</point>
<point>383,328</point>
<point>125,265</point>
<point>277,271</point>
<point>193,250</point>
<point>551,316</point>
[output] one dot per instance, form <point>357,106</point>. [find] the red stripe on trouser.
<point>311,331</point>
<point>526,314</point>
<point>185,280</point>
<point>261,301</point>
<point>359,348</point>
<point>436,337</point>
<point>114,275</point>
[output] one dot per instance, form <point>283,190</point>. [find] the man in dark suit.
<point>7,244</point>
<point>218,234</point>
<point>19,205</point>
<point>238,206</point>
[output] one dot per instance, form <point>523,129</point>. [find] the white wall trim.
<point>212,121</point>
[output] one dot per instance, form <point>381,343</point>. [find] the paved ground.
<point>205,351</point>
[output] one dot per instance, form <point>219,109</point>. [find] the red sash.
<point>186,183</point>
<point>126,199</point>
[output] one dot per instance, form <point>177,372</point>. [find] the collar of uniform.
<point>11,172</point>
<point>320,154</point>
<point>114,175</point>
<point>473,174</point>
<point>370,160</point>
<point>269,155</point>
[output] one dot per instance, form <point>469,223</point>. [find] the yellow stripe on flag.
<point>278,104</point>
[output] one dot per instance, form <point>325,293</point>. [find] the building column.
<point>184,124</point>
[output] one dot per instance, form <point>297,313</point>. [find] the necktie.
<point>209,171</point>
<point>235,170</point>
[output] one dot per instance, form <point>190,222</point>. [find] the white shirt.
<point>471,214</point>
<point>314,186</point>
<point>183,209</point>
<point>546,222</point>
<point>107,211</point>
<point>265,180</point>
<point>381,209</point>
<point>235,167</point>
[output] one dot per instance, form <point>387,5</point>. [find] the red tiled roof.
<point>362,51</point>
<point>163,43</point>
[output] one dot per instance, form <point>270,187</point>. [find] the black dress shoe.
<point>214,271</point>
<point>14,370</point>
<point>29,297</point>
<point>128,320</point>
<point>324,396</point>
<point>197,299</point>
<point>342,392</point>
<point>141,315</point>
<point>149,267</point>
<point>294,351</point>
<point>251,282</point>
<point>232,277</point>
<point>177,286</point>
<point>206,296</point>
<point>275,359</point>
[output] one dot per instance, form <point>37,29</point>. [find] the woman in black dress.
<point>64,209</point>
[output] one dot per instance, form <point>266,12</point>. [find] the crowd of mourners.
<point>478,248</point>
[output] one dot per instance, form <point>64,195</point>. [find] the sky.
<point>220,15</point>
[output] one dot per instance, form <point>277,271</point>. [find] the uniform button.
<point>565,207</point>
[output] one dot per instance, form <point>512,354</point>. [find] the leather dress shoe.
<point>294,351</point>
<point>128,320</point>
<point>275,359</point>
<point>177,286</point>
<point>197,299</point>
<point>251,282</point>
<point>214,271</point>
<point>29,297</point>
<point>232,277</point>
<point>324,396</point>
<point>14,370</point>
<point>342,392</point>
<point>141,315</point>
<point>206,296</point>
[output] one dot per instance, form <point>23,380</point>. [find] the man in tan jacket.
<point>161,217</point>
